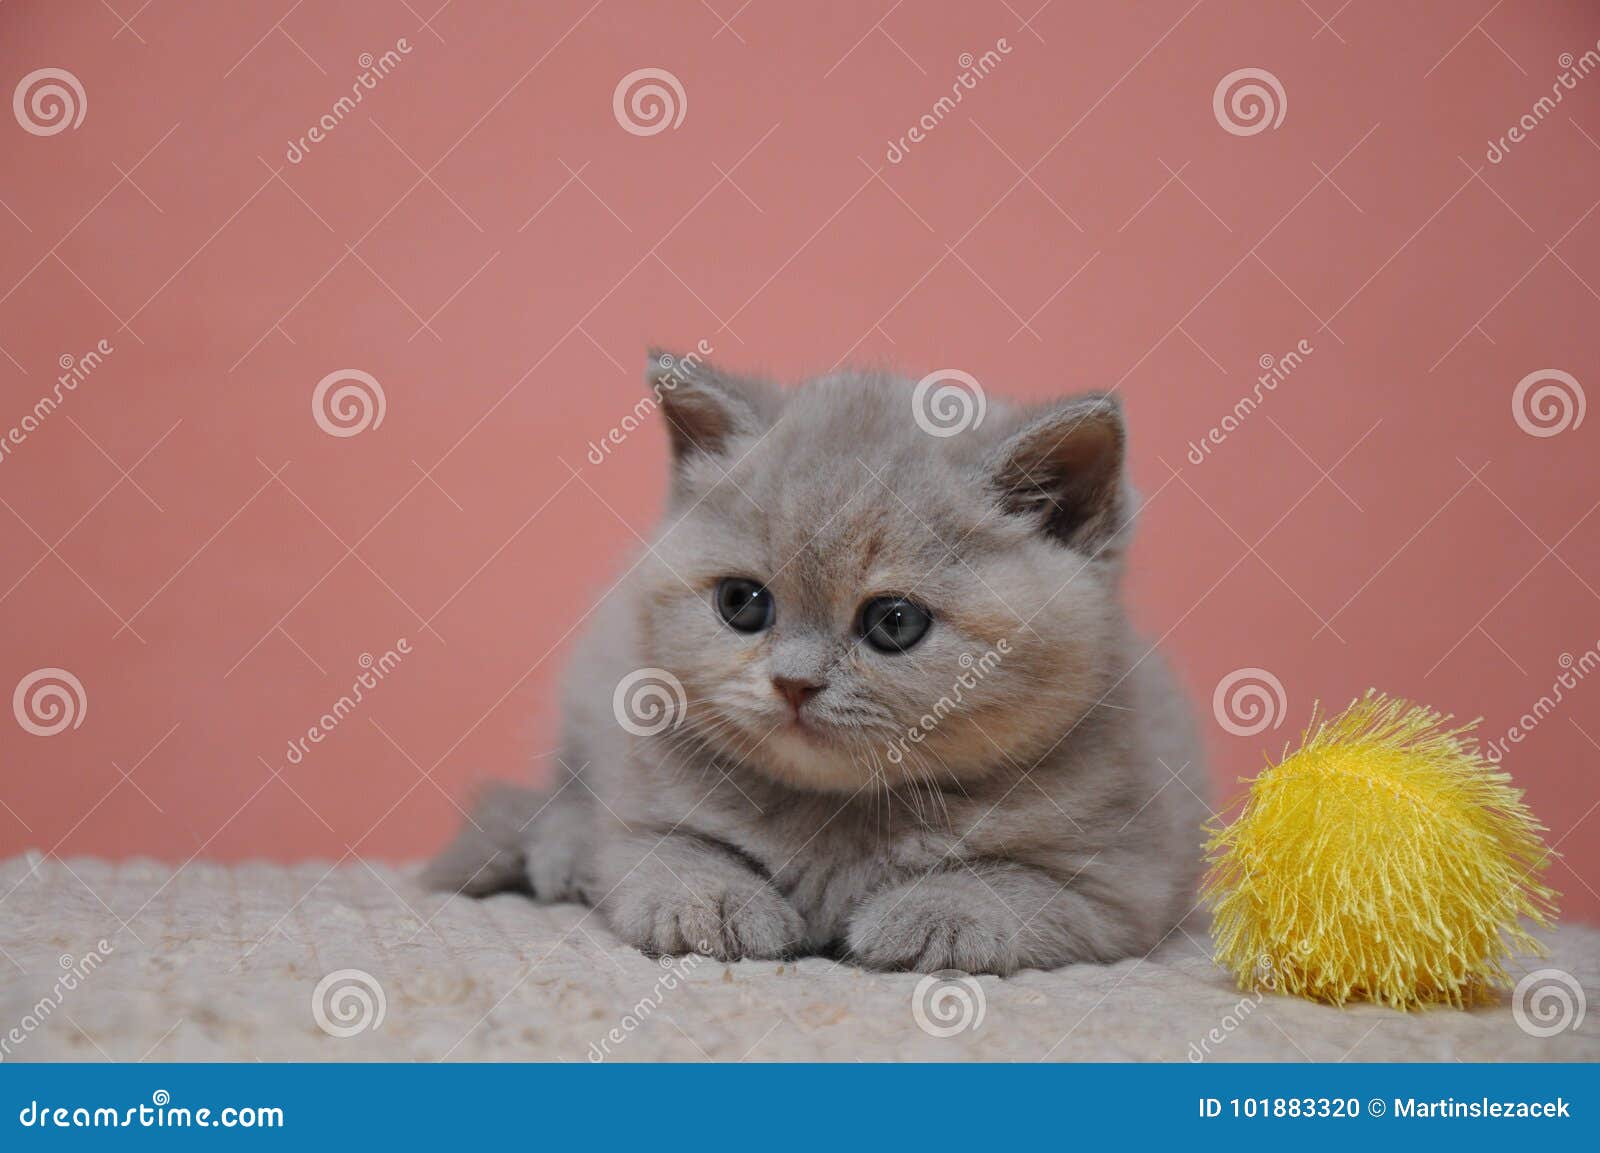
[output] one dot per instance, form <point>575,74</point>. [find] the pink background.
<point>483,237</point>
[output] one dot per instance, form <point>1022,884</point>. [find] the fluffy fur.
<point>1020,789</point>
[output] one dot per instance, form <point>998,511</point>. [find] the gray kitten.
<point>870,692</point>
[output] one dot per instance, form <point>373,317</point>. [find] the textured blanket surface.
<point>136,961</point>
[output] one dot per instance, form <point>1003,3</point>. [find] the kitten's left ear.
<point>705,408</point>
<point>1064,470</point>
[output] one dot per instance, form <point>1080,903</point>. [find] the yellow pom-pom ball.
<point>1384,860</point>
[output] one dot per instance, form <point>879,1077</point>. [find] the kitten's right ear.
<point>706,409</point>
<point>1064,471</point>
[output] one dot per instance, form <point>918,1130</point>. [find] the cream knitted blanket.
<point>132,961</point>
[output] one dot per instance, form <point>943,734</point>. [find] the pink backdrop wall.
<point>484,238</point>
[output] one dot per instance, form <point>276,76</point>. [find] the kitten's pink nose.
<point>797,690</point>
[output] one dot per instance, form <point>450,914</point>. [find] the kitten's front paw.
<point>553,861</point>
<point>938,923</point>
<point>734,921</point>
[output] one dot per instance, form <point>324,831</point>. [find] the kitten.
<point>869,692</point>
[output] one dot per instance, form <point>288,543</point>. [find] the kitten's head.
<point>852,596</point>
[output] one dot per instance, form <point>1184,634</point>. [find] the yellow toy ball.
<point>1384,860</point>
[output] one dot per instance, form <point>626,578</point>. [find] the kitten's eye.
<point>894,624</point>
<point>744,604</point>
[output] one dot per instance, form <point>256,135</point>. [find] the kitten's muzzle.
<point>797,690</point>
